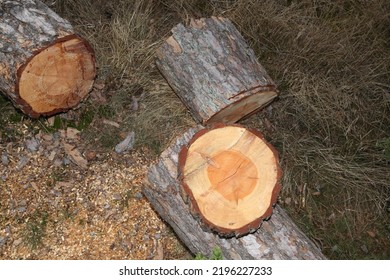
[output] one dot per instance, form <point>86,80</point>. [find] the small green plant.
<point>35,229</point>
<point>216,254</point>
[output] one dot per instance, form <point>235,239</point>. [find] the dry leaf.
<point>72,133</point>
<point>75,155</point>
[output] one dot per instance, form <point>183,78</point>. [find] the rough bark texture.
<point>231,177</point>
<point>44,67</point>
<point>277,238</point>
<point>214,72</point>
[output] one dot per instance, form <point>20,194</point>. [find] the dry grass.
<point>331,60</point>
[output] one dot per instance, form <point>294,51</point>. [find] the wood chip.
<point>111,123</point>
<point>35,187</point>
<point>75,155</point>
<point>72,133</point>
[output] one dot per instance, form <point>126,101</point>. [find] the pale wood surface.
<point>231,175</point>
<point>277,238</point>
<point>44,67</point>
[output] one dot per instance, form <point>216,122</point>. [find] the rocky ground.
<point>60,199</point>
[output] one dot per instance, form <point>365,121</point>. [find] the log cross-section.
<point>231,176</point>
<point>45,67</point>
<point>214,71</point>
<point>277,238</point>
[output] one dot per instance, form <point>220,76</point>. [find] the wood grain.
<point>277,238</point>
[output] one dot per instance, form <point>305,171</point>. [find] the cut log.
<point>45,68</point>
<point>214,72</point>
<point>231,176</point>
<point>277,238</point>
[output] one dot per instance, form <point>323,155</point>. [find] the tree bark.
<point>231,177</point>
<point>277,238</point>
<point>214,72</point>
<point>45,68</point>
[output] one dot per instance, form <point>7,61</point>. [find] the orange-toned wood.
<point>231,176</point>
<point>277,238</point>
<point>58,77</point>
<point>44,67</point>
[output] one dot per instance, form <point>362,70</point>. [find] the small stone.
<point>32,144</point>
<point>127,144</point>
<point>22,162</point>
<point>57,135</point>
<point>3,240</point>
<point>66,161</point>
<point>21,209</point>
<point>138,195</point>
<point>4,159</point>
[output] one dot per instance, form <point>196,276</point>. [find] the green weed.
<point>35,229</point>
<point>216,254</point>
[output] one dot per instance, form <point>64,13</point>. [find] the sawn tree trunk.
<point>45,67</point>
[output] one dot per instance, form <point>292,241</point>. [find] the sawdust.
<point>52,208</point>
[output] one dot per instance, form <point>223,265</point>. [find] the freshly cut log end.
<point>245,105</point>
<point>57,77</point>
<point>45,68</point>
<point>277,238</point>
<point>230,177</point>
